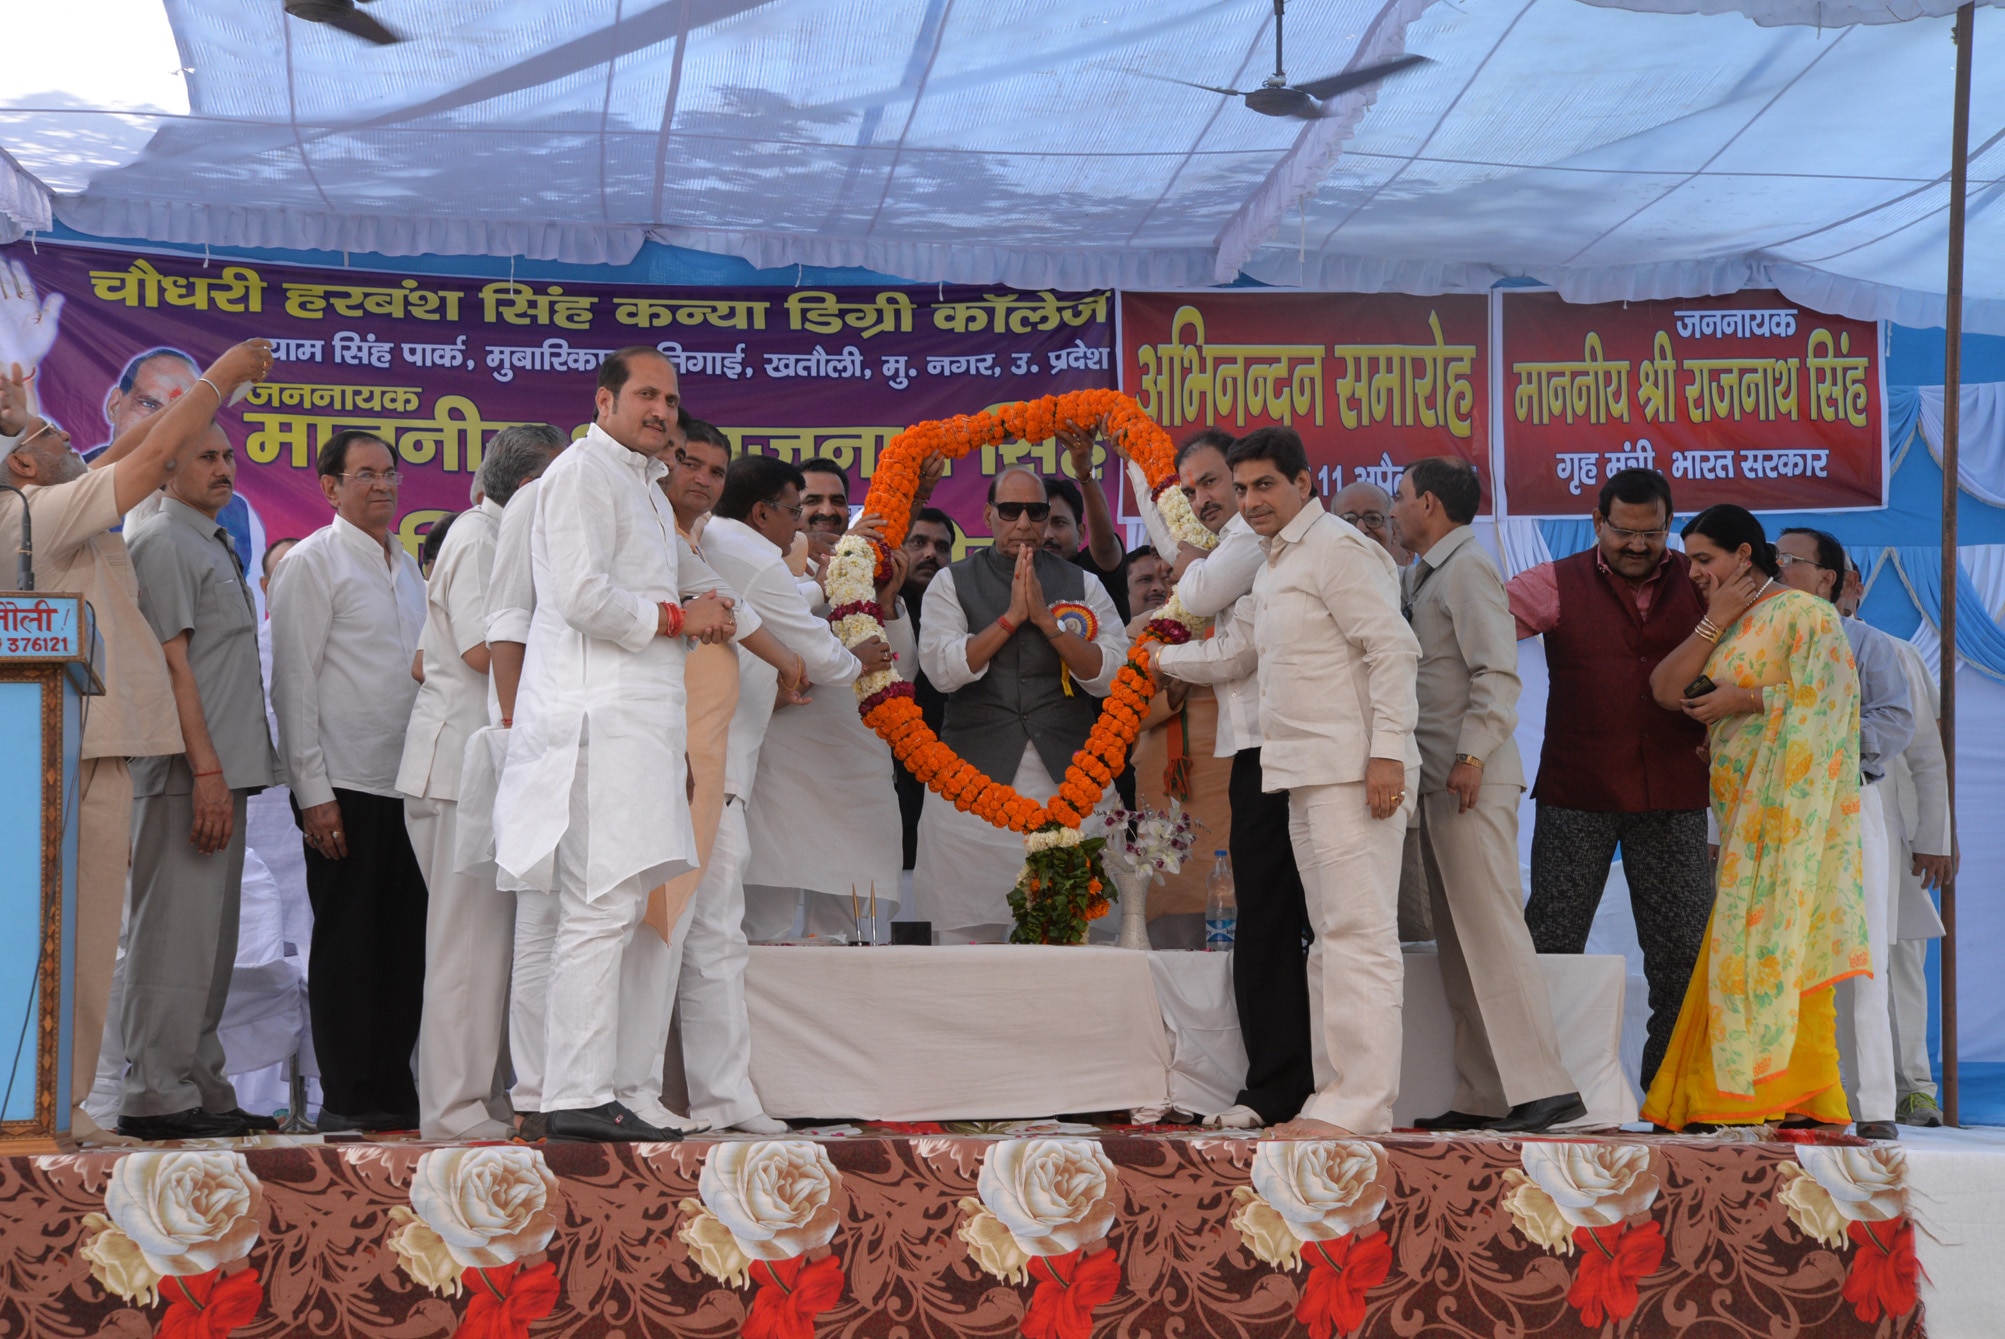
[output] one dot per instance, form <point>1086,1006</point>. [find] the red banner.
<point>1742,399</point>
<point>1373,382</point>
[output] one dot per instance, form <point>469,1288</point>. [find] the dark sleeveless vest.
<point>1020,697</point>
<point>1609,747</point>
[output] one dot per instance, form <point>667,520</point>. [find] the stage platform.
<point>1049,1230</point>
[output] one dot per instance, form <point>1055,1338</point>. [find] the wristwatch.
<point>1469,758</point>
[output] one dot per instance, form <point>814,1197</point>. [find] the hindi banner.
<point>1745,398</point>
<point>437,365</point>
<point>1372,382</point>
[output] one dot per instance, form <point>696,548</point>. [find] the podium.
<point>49,667</point>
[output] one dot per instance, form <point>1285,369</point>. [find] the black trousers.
<point>366,969</point>
<point>1270,980</point>
<point>1671,893</point>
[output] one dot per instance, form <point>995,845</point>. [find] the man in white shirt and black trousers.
<point>1337,714</point>
<point>346,610</point>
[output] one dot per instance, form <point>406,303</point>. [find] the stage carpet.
<point>1041,1229</point>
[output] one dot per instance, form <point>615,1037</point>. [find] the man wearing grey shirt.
<point>1814,562</point>
<point>188,811</point>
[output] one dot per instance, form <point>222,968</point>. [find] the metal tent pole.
<point>1952,397</point>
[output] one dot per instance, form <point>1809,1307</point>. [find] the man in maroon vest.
<point>1617,769</point>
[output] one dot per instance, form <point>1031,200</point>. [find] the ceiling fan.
<point>1277,97</point>
<point>342,14</point>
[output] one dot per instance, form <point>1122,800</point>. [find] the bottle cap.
<point>1218,853</point>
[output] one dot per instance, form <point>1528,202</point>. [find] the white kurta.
<point>965,866</point>
<point>604,553</point>
<point>824,808</point>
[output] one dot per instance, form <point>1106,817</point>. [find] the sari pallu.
<point>1756,1038</point>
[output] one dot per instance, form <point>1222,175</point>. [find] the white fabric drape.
<point>1818,13</point>
<point>24,201</point>
<point>1980,444</point>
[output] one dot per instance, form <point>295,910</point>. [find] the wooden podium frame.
<point>67,673</point>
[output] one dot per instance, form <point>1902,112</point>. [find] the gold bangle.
<point>1708,631</point>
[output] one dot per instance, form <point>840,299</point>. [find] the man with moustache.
<point>929,546</point>
<point>1269,984</point>
<point>76,509</point>
<point>347,611</point>
<point>592,803</point>
<point>824,818</point>
<point>1337,715</point>
<point>993,644</point>
<point>1617,769</point>
<point>747,541</point>
<point>188,828</point>
<point>677,929</point>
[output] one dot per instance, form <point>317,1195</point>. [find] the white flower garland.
<point>852,579</point>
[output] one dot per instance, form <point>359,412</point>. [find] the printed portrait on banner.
<point>437,365</point>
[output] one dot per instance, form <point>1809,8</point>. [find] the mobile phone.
<point>1700,686</point>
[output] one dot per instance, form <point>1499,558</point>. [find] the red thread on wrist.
<point>1002,620</point>
<point>673,614</point>
<point>217,772</point>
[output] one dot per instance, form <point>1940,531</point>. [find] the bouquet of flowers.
<point>1148,843</point>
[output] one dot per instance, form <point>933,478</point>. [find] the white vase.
<point>1134,886</point>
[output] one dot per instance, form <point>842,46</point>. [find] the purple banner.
<point>438,365</point>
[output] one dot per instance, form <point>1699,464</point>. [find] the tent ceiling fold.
<point>1611,152</point>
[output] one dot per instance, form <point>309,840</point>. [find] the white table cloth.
<point>999,1032</point>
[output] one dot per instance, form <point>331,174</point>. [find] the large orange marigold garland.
<point>887,703</point>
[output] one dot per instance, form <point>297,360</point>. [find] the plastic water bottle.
<point>1221,906</point>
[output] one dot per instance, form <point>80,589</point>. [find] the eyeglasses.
<point>1364,520</point>
<point>370,478</point>
<point>1790,560</point>
<point>793,511</point>
<point>46,427</point>
<point>1624,536</point>
<point>1011,511</point>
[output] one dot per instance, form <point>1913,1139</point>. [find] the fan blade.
<point>1324,89</point>
<point>1166,79</point>
<point>361,25</point>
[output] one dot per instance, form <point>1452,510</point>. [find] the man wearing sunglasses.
<point>1617,769</point>
<point>1023,692</point>
<point>76,509</point>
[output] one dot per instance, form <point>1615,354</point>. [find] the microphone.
<point>25,578</point>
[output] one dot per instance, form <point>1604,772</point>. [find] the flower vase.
<point>1134,886</point>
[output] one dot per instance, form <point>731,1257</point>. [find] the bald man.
<point>1368,507</point>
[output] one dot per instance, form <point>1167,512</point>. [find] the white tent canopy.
<point>1611,152</point>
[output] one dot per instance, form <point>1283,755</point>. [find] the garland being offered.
<point>1051,875</point>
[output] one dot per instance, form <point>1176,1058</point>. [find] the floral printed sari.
<point>1757,1036</point>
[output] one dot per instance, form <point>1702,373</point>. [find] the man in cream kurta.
<point>1507,1064</point>
<point>1337,713</point>
<point>746,541</point>
<point>469,926</point>
<point>824,817</point>
<point>599,720</point>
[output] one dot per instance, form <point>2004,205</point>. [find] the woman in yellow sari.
<point>1756,1040</point>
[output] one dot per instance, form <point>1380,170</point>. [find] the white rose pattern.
<point>1866,1185</point>
<point>1593,1184</point>
<point>776,1197</point>
<point>491,1206</point>
<point>1053,1195</point>
<point>185,1212</point>
<point>1322,1188</point>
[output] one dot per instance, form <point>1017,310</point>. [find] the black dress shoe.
<point>1455,1120</point>
<point>535,1127</point>
<point>608,1124</point>
<point>255,1123</point>
<point>1865,1129</point>
<point>364,1122</point>
<point>1540,1116</point>
<point>192,1124</point>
